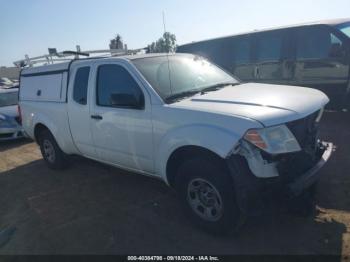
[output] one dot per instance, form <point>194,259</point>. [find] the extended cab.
<point>217,142</point>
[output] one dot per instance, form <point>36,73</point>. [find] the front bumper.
<point>251,190</point>
<point>312,175</point>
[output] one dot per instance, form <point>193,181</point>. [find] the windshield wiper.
<point>218,86</point>
<point>177,96</point>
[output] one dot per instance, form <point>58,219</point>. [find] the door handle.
<point>97,117</point>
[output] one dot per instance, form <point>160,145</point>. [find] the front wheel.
<point>207,194</point>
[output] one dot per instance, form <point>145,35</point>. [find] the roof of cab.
<point>321,22</point>
<point>127,57</point>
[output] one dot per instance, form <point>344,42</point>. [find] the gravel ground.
<point>92,208</point>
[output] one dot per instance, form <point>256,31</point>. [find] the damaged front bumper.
<point>307,179</point>
<point>295,174</point>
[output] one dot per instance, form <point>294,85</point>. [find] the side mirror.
<point>127,101</point>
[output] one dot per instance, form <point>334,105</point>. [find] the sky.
<point>31,26</point>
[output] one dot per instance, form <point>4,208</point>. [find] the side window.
<point>269,47</point>
<point>318,43</point>
<point>117,88</point>
<point>242,47</point>
<point>337,48</point>
<point>81,85</point>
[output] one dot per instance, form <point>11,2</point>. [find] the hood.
<point>267,103</point>
<point>9,111</point>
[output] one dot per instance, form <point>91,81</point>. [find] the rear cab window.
<point>81,85</point>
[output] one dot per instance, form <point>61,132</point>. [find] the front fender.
<point>218,140</point>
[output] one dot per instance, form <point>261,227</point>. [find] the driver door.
<point>121,118</point>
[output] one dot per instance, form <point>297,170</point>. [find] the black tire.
<point>210,170</point>
<point>57,159</point>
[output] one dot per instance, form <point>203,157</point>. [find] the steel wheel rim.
<point>204,199</point>
<point>49,151</point>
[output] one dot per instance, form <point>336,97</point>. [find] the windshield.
<point>345,28</point>
<point>8,99</point>
<point>181,75</point>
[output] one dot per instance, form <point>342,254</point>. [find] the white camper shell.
<point>45,83</point>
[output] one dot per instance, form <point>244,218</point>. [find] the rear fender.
<point>60,133</point>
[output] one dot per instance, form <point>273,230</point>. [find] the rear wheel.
<point>207,195</point>
<point>54,157</point>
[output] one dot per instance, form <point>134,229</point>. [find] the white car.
<point>179,118</point>
<point>10,127</point>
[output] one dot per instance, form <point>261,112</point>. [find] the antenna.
<point>167,56</point>
<point>164,21</point>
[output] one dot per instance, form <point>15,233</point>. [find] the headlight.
<point>274,140</point>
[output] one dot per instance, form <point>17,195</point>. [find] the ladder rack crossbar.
<point>57,57</point>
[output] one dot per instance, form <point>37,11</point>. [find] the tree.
<point>116,43</point>
<point>165,44</point>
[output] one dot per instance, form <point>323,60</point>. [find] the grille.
<point>305,130</point>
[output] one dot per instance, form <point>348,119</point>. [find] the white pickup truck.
<point>218,142</point>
